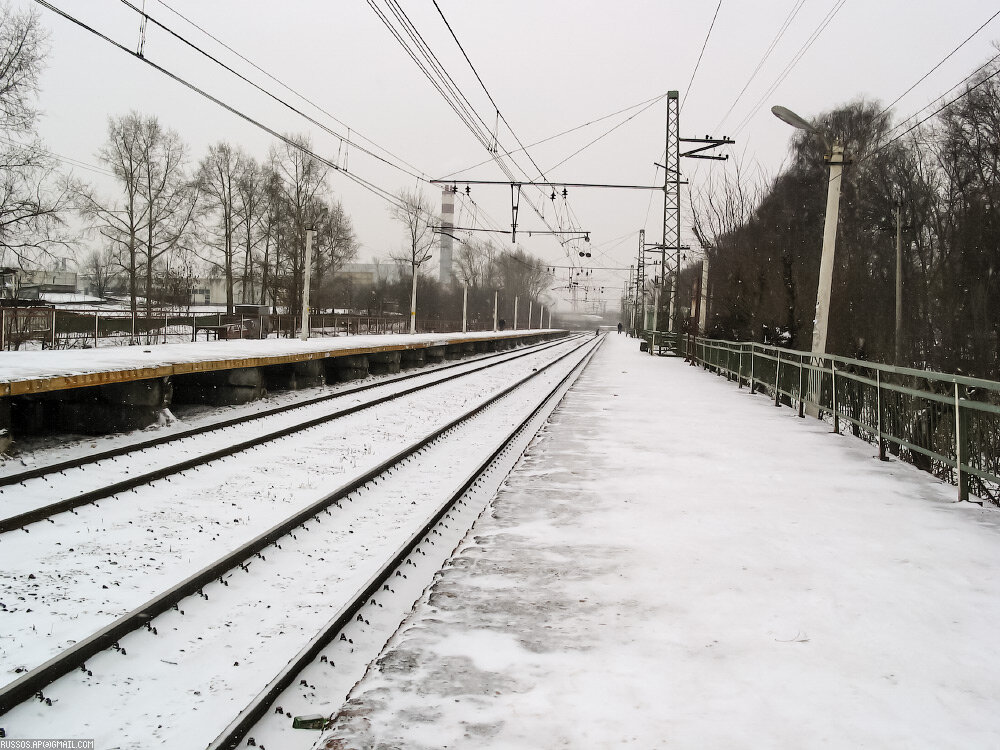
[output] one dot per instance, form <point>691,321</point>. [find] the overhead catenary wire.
<point>500,117</point>
<point>429,64</point>
<point>354,177</point>
<point>288,88</point>
<point>279,100</point>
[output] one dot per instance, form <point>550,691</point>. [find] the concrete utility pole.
<point>703,311</point>
<point>836,159</point>
<point>514,326</point>
<point>306,274</point>
<point>529,314</point>
<point>496,303</point>
<point>413,299</point>
<point>829,251</point>
<point>465,308</point>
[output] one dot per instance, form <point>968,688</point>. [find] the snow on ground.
<point>64,579</point>
<point>676,563</point>
<point>15,366</point>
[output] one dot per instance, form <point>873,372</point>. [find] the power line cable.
<point>760,64</point>
<point>936,112</point>
<point>939,64</point>
<point>564,132</point>
<point>608,132</point>
<point>820,28</point>
<point>700,54</point>
<point>903,122</point>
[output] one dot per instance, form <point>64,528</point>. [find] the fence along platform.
<point>948,425</point>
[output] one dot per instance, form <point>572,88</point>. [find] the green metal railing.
<point>948,425</point>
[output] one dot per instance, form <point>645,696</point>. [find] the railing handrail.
<point>884,368</point>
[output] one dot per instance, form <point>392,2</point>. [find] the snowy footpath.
<point>675,563</point>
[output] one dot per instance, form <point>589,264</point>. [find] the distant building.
<point>368,274</point>
<point>35,283</point>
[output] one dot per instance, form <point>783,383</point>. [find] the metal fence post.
<point>777,380</point>
<point>833,397</point>
<point>878,420</point>
<point>802,404</point>
<point>3,328</point>
<point>96,334</point>
<point>52,336</point>
<point>961,444</point>
<point>739,373</point>
<point>753,351</point>
<point>194,328</point>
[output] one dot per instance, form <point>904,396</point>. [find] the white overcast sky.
<point>550,65</point>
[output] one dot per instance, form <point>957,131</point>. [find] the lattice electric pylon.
<point>670,250</point>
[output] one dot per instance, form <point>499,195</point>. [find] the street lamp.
<point>836,159</point>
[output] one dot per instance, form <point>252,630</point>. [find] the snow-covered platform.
<point>53,370</point>
<point>678,564</point>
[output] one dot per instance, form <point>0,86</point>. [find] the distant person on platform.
<point>619,329</point>
<point>503,324</point>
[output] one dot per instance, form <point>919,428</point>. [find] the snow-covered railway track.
<point>382,504</point>
<point>44,481</point>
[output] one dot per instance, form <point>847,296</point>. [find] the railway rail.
<point>400,475</point>
<point>46,473</point>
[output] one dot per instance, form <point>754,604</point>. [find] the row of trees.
<point>244,218</point>
<point>764,242</point>
<point>481,268</point>
<point>166,221</point>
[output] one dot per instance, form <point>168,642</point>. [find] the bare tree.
<point>101,267</point>
<point>149,218</point>
<point>31,205</point>
<point>122,219</point>
<point>335,245</point>
<point>170,196</point>
<point>299,189</point>
<point>253,208</point>
<point>413,211</point>
<point>219,176</point>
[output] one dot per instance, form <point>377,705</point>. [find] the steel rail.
<point>75,463</point>
<point>43,512</point>
<point>242,724</point>
<point>76,655</point>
